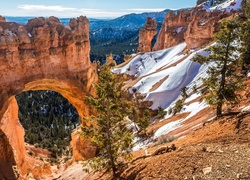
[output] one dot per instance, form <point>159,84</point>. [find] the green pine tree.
<point>244,36</point>
<point>108,130</point>
<point>224,79</point>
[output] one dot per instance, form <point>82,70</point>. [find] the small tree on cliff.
<point>108,129</point>
<point>223,80</point>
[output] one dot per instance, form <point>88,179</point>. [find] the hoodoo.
<point>146,35</point>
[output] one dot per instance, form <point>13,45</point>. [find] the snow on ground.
<point>151,68</point>
<point>160,77</point>
<point>247,108</point>
<point>147,63</point>
<point>193,108</point>
<point>227,5</point>
<point>192,97</point>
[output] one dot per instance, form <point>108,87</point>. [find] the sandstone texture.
<point>110,61</point>
<point>194,26</point>
<point>146,35</point>
<point>44,54</point>
<point>15,162</point>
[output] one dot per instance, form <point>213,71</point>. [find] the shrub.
<point>178,105</point>
<point>161,113</point>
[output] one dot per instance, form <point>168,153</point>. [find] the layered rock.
<point>173,29</point>
<point>146,35</point>
<point>203,27</point>
<point>194,26</point>
<point>44,55</point>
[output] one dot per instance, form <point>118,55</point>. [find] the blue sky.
<point>89,8</point>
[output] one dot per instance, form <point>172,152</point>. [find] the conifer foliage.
<point>108,130</point>
<point>244,35</point>
<point>224,79</point>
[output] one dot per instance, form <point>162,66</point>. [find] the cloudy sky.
<point>89,8</point>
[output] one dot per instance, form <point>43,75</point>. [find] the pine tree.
<point>223,80</point>
<point>244,36</point>
<point>108,130</point>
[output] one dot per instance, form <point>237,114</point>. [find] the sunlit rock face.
<point>195,26</point>
<point>44,54</point>
<point>146,35</point>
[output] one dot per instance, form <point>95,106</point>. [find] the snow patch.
<point>179,30</point>
<point>227,6</point>
<point>193,108</point>
<point>247,108</point>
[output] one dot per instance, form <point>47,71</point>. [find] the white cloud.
<point>61,11</point>
<point>45,8</point>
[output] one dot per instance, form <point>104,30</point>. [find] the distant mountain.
<point>119,35</point>
<point>129,21</point>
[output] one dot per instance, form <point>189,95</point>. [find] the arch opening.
<point>75,92</point>
<point>48,119</point>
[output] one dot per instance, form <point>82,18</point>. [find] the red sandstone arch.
<point>43,55</point>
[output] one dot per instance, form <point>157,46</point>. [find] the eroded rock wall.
<point>44,54</point>
<point>195,26</point>
<point>146,35</point>
<point>49,53</point>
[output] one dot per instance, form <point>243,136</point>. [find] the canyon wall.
<point>44,54</point>
<point>195,26</point>
<point>146,35</point>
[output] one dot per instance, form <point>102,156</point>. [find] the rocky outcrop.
<point>15,162</point>
<point>110,61</point>
<point>203,27</point>
<point>2,19</point>
<point>173,29</point>
<point>14,132</point>
<point>146,35</point>
<point>43,55</point>
<point>194,26</point>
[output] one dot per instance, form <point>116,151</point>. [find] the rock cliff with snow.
<point>195,26</point>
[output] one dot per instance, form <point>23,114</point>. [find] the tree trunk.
<point>219,109</point>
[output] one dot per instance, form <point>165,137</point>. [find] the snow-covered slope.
<point>227,5</point>
<point>162,74</point>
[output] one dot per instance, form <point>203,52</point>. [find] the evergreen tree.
<point>244,35</point>
<point>108,130</point>
<point>223,80</point>
<point>140,118</point>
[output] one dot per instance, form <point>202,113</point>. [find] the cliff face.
<point>43,55</point>
<point>194,26</point>
<point>146,35</point>
<point>173,29</point>
<point>15,161</point>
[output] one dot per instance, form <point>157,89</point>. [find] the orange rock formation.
<point>41,55</point>
<point>194,26</point>
<point>110,61</point>
<point>146,35</point>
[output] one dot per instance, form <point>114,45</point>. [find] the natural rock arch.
<point>44,55</point>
